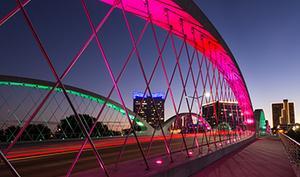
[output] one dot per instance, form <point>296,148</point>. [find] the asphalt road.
<point>51,160</point>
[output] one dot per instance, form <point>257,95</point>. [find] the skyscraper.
<point>151,109</point>
<point>221,111</point>
<point>283,113</point>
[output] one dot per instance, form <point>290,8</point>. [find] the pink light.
<point>225,64</point>
<point>159,162</point>
<point>190,153</point>
<point>249,121</point>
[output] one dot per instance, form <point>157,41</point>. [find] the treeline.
<point>67,128</point>
<point>32,132</point>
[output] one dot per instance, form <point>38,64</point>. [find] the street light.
<point>206,95</point>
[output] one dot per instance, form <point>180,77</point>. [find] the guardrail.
<point>292,148</point>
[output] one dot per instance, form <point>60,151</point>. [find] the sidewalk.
<point>265,157</point>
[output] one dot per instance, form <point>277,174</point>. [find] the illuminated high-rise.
<point>151,109</point>
<point>283,113</point>
<point>222,111</point>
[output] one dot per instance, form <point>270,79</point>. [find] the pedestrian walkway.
<point>265,157</point>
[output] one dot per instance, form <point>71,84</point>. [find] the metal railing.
<point>292,148</point>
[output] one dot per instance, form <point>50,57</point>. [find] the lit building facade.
<point>283,114</point>
<point>151,109</point>
<point>219,112</point>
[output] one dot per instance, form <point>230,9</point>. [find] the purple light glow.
<point>249,121</point>
<point>159,162</point>
<point>204,123</point>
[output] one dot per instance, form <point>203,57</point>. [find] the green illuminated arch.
<point>260,121</point>
<point>47,85</point>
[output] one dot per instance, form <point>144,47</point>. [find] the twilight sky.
<point>264,38</point>
<point>262,34</point>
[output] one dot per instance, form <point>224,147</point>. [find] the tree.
<point>70,128</point>
<point>36,132</point>
<point>2,136</point>
<point>32,132</point>
<point>129,130</point>
<point>11,132</point>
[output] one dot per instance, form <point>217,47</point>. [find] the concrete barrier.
<point>193,166</point>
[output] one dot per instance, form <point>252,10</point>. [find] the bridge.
<point>82,123</point>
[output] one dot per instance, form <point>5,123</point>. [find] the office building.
<point>222,112</point>
<point>151,109</point>
<point>283,114</point>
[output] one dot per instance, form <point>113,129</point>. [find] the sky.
<point>262,34</point>
<point>264,38</point>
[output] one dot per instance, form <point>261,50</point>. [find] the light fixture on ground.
<point>159,162</point>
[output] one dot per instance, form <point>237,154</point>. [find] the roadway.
<point>54,159</point>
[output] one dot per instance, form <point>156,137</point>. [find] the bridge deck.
<point>265,157</point>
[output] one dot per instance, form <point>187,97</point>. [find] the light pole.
<point>206,95</point>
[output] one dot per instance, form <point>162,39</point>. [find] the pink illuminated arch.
<point>181,18</point>
<point>189,22</point>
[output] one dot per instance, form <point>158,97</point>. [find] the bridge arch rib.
<point>190,23</point>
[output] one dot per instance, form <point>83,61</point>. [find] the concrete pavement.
<point>265,157</point>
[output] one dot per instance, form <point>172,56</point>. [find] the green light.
<point>57,89</point>
<point>140,123</point>
<point>16,84</point>
<point>44,87</point>
<point>72,92</point>
<point>4,83</point>
<point>29,85</point>
<point>262,122</point>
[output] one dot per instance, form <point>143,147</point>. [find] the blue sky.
<point>264,37</point>
<point>262,34</point>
